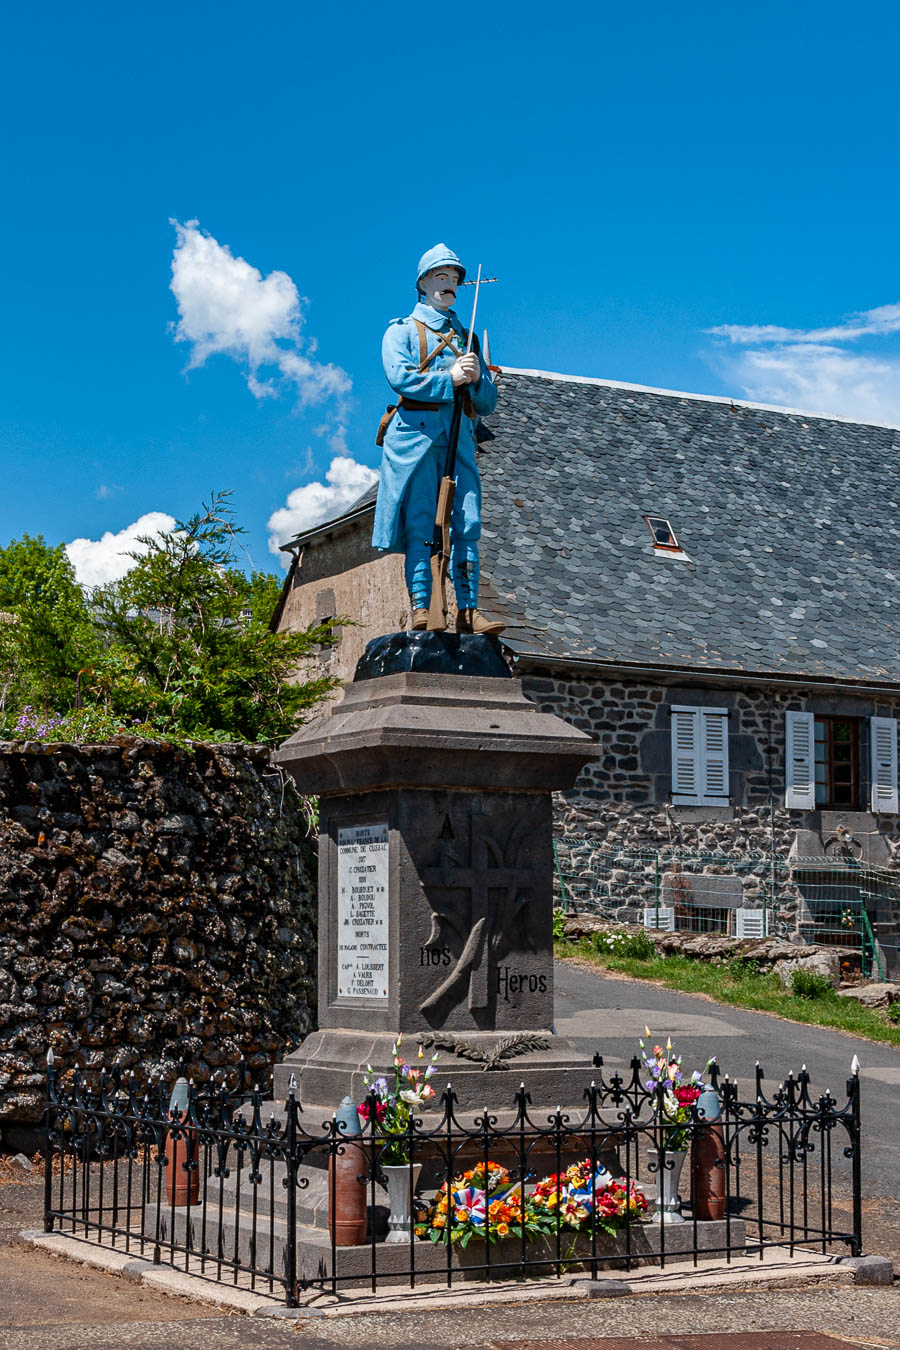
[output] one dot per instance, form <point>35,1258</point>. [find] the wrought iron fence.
<point>831,901</point>
<point>226,1184</point>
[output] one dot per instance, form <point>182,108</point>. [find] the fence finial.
<point>855,1065</point>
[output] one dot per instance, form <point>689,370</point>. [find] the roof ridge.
<point>701,398</point>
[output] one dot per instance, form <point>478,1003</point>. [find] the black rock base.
<point>433,654</point>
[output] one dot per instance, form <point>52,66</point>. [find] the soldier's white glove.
<point>467,370</point>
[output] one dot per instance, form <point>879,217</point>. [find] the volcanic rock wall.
<point>155,903</point>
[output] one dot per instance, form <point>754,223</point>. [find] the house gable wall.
<point>344,574</point>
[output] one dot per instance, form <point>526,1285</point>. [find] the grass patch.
<point>740,984</point>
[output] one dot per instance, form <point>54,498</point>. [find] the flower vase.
<point>668,1175</point>
<point>401,1183</point>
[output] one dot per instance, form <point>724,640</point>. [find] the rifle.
<point>440,544</point>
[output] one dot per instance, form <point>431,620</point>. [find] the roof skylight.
<point>665,541</point>
<point>662,532</point>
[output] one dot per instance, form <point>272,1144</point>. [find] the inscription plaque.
<point>362,945</point>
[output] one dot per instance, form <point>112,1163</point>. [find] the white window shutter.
<point>686,783</point>
<point>884,763</point>
<point>800,785</point>
<point>714,754</point>
<point>750,923</point>
<point>662,918</point>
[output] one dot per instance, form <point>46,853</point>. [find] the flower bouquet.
<point>674,1095</point>
<point>393,1105</point>
<point>580,1200</point>
<point>483,1203</point>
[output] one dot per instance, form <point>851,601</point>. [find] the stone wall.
<point>623,801</point>
<point>155,903</point>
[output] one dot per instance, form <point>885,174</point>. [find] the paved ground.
<point>49,1304</point>
<point>862,1317</point>
<point>609,1014</point>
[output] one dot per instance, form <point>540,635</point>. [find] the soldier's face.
<point>440,286</point>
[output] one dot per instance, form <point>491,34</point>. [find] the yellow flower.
<point>502,1229</point>
<point>461,1216</point>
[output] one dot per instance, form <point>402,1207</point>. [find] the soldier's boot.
<point>473,621</point>
<point>419,620</point>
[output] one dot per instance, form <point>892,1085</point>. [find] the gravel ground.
<point>51,1304</point>
<point>36,1288</point>
<point>862,1317</point>
<point>90,1310</point>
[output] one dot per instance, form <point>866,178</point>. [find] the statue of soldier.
<point>425,362</point>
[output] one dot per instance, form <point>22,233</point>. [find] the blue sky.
<point>636,177</point>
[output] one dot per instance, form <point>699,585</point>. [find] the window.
<point>662,533</point>
<point>825,763</point>
<point>699,756</point>
<point>665,543</point>
<point>836,761</point>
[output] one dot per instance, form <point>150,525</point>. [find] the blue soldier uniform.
<point>415,445</point>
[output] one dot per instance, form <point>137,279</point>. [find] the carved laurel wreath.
<point>489,1057</point>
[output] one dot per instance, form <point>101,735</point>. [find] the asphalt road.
<point>609,1015</point>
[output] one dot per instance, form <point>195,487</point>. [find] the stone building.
<point>709,588</point>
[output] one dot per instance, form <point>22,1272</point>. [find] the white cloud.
<point>227,307</point>
<point>870,323</point>
<point>345,480</point>
<point>97,561</point>
<point>809,368</point>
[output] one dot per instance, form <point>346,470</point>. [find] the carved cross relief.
<point>484,900</point>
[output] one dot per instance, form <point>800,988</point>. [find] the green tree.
<point>47,634</point>
<point>180,646</point>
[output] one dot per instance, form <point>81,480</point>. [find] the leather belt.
<point>414,405</point>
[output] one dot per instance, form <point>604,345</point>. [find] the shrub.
<point>637,946</point>
<point>810,984</point>
<point>742,967</point>
<point>893,1013</point>
<point>559,924</point>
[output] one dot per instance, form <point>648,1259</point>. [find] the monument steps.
<point>391,1261</point>
<point>312,1192</point>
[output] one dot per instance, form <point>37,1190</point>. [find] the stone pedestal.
<point>435,883</point>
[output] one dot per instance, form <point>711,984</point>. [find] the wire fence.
<point>222,1183</point>
<point>834,902</point>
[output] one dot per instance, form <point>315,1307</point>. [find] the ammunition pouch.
<point>385,423</point>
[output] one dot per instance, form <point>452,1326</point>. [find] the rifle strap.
<point>426,357</point>
<point>425,360</point>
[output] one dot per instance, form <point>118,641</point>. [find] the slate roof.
<point>326,527</point>
<point>791,522</point>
